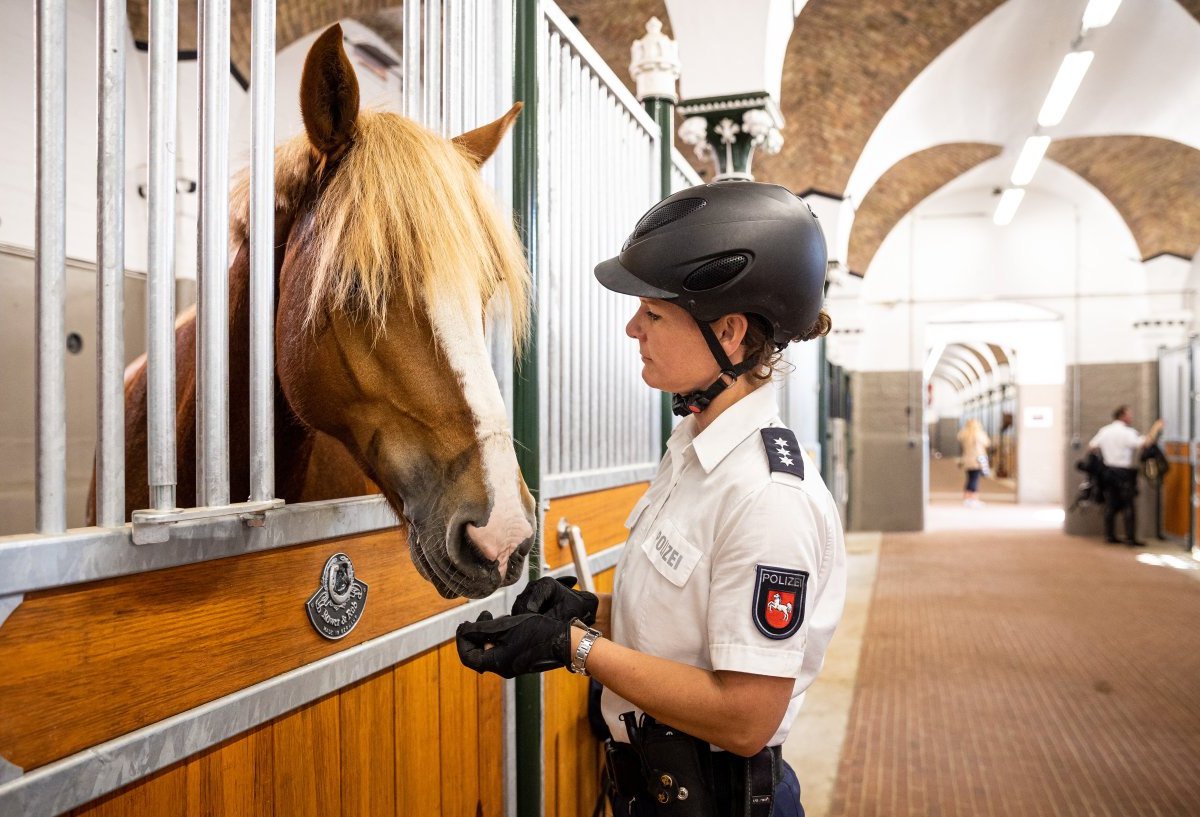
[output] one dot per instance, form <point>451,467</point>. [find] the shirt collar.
<point>736,423</point>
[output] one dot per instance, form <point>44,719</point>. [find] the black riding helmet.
<point>732,246</point>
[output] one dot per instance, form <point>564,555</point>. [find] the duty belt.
<point>663,771</point>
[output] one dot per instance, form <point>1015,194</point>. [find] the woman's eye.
<point>652,315</point>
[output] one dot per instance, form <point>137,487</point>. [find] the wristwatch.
<point>578,664</point>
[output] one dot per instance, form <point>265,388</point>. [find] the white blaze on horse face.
<point>460,332</point>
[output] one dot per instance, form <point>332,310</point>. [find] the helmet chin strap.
<point>697,401</point>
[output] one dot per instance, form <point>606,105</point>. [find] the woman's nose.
<point>631,328</point>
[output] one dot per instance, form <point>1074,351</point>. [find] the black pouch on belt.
<point>677,769</point>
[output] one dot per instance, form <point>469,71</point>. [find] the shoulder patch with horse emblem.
<point>783,452</point>
<point>779,601</point>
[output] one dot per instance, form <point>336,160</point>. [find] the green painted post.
<point>526,421</point>
<point>662,110</point>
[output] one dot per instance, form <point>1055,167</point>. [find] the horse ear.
<point>482,142</point>
<point>329,93</point>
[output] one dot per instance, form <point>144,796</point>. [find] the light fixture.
<point>1063,89</point>
<point>1028,161</point>
<point>1099,13</point>
<point>1010,199</point>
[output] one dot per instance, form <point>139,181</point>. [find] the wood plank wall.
<point>1175,488</point>
<point>573,755</point>
<point>91,662</point>
<point>422,738</point>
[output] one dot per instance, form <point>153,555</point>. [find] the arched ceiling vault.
<point>847,62</point>
<point>1154,184</point>
<point>905,185</point>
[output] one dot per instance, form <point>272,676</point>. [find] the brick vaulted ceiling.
<point>903,187</point>
<point>1154,184</point>
<point>847,62</point>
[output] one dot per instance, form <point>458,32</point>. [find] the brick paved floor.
<point>1024,673</point>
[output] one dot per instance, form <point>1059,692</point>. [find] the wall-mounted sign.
<point>1039,416</point>
<point>339,602</point>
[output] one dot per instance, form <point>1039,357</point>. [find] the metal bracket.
<point>7,605</point>
<point>570,536</point>
<point>153,527</point>
<point>9,771</point>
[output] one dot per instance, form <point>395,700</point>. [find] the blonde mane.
<point>404,210</point>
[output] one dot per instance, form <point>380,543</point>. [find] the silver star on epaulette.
<point>786,460</point>
<point>781,442</point>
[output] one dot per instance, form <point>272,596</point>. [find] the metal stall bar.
<point>50,243</point>
<point>432,86</point>
<point>212,308</point>
<point>411,59</point>
<point>262,251</point>
<point>528,30</point>
<point>110,260</point>
<point>160,284</point>
<point>596,130</point>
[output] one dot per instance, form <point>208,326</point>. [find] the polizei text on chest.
<point>670,554</point>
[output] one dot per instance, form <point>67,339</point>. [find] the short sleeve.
<point>766,565</point>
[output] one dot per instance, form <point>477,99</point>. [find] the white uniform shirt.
<point>1118,444</point>
<point>685,587</point>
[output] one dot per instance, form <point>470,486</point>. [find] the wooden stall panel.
<point>574,757</point>
<point>308,760</point>
<point>90,662</point>
<point>418,735</point>
<point>600,516</point>
<point>422,738</point>
<point>368,744</point>
<point>234,778</point>
<point>1175,488</point>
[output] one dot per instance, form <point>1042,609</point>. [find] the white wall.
<point>18,137</point>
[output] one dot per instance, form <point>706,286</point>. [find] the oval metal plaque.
<point>339,602</point>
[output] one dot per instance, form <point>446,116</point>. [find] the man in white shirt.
<point>1119,446</point>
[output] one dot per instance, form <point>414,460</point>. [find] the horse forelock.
<point>404,213</point>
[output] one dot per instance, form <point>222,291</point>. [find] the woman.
<point>974,441</point>
<point>733,577</point>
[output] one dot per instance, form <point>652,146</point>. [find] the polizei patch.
<point>779,600</point>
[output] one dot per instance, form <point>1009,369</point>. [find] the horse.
<point>388,252</point>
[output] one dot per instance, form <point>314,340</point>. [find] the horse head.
<point>394,252</point>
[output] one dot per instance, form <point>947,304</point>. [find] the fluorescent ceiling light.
<point>1099,13</point>
<point>1063,89</point>
<point>1007,208</point>
<point>1030,158</point>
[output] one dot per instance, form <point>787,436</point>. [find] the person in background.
<point>1119,445</point>
<point>974,441</point>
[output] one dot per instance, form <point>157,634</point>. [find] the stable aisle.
<point>1023,672</point>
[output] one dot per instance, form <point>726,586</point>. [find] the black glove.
<point>520,644</point>
<point>555,598</point>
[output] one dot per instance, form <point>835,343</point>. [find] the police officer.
<point>1119,444</point>
<point>734,572</point>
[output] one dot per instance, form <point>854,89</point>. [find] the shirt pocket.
<point>672,555</point>
<point>636,513</point>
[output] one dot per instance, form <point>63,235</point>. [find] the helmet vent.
<point>716,272</point>
<point>662,216</point>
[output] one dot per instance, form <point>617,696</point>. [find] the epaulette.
<point>783,452</point>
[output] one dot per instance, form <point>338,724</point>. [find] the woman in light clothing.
<point>974,441</point>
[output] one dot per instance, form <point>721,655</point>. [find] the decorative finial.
<point>655,64</point>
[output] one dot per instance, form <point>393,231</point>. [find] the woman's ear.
<point>732,331</point>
